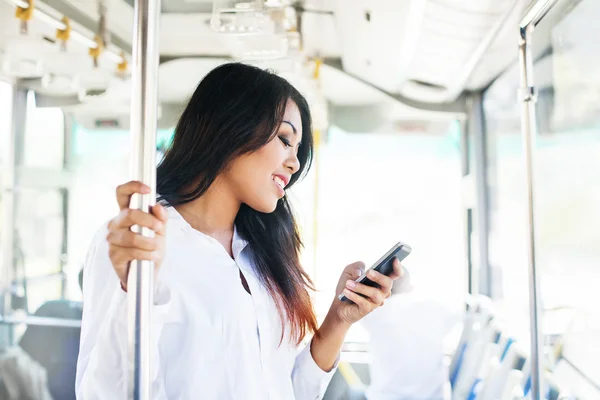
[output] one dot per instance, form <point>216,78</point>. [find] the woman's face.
<point>258,179</point>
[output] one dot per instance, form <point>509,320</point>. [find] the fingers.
<point>159,212</point>
<point>398,271</point>
<point>375,295</point>
<point>385,282</point>
<point>129,239</point>
<point>364,305</point>
<point>122,256</point>
<point>355,269</point>
<point>125,245</point>
<point>367,298</point>
<point>129,217</point>
<point>125,191</point>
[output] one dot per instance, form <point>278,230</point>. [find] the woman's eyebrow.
<point>292,125</point>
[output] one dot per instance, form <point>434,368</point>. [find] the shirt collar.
<point>238,244</point>
<point>176,221</point>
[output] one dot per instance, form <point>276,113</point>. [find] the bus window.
<point>5,123</point>
<point>377,189</point>
<point>5,118</point>
<point>5,126</point>
<point>38,246</point>
<point>567,172</point>
<point>44,136</point>
<point>40,209</point>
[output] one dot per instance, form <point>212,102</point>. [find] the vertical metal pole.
<point>527,95</point>
<point>467,206</point>
<point>13,158</point>
<point>529,132</point>
<point>64,192</point>
<point>7,232</point>
<point>317,169</point>
<point>144,105</point>
<point>7,228</point>
<point>319,129</point>
<point>64,195</point>
<point>480,153</point>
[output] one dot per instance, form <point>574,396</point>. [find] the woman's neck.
<point>213,213</point>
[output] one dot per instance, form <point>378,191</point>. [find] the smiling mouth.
<point>279,182</point>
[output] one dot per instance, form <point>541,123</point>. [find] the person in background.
<point>406,341</point>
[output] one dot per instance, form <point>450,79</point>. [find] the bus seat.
<point>56,348</point>
<point>22,377</point>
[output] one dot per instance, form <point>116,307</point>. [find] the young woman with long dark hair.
<point>232,302</point>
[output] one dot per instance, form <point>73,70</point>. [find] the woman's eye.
<point>285,141</point>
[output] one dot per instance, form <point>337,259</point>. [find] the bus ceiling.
<point>426,55</point>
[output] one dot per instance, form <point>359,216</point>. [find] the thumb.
<point>355,270</point>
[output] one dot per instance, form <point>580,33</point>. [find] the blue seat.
<point>460,355</point>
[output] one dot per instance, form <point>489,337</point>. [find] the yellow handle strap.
<point>122,66</point>
<point>317,71</point>
<point>95,52</point>
<point>25,14</point>
<point>64,34</point>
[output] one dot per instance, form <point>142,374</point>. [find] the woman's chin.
<point>265,207</point>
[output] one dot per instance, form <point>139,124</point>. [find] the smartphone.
<point>384,265</point>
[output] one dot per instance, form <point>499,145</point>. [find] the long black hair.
<point>237,109</point>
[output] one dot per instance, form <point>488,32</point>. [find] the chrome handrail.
<point>32,320</point>
<point>144,124</point>
<point>528,97</point>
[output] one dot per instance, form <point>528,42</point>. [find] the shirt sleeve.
<point>102,365</point>
<point>308,379</point>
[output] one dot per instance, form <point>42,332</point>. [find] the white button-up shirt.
<point>212,339</point>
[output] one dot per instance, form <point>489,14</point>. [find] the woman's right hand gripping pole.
<point>102,360</point>
<point>123,244</point>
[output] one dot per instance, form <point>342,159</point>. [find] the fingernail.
<point>347,292</point>
<point>372,274</point>
<point>359,272</point>
<point>145,189</point>
<point>351,284</point>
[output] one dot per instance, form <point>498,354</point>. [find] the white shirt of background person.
<point>406,341</point>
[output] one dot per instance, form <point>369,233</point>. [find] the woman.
<point>232,303</point>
